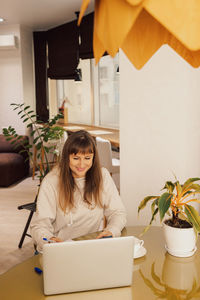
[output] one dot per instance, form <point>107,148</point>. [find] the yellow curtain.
<point>141,27</point>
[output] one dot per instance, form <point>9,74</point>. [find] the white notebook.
<point>87,265</point>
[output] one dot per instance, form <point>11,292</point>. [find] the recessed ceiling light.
<point>1,19</point>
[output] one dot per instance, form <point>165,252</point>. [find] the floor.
<point>12,221</point>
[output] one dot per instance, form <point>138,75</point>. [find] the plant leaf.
<point>25,120</point>
<point>39,145</point>
<point>33,132</point>
<point>193,216</point>
<point>35,140</point>
<point>188,182</point>
<point>152,219</point>
<point>164,204</point>
<point>169,186</point>
<point>178,188</point>
<point>144,202</point>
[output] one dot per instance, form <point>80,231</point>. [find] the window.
<point>95,99</point>
<point>107,105</point>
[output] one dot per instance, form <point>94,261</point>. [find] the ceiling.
<point>40,14</point>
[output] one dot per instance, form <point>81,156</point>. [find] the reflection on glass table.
<point>178,280</point>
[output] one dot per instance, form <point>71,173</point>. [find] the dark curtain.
<point>86,33</point>
<point>63,56</point>
<point>40,57</point>
<point>63,51</point>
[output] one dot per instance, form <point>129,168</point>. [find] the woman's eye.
<point>88,158</point>
<point>76,158</point>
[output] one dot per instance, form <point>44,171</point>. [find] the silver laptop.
<point>87,265</point>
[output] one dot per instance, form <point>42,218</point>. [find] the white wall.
<point>10,80</point>
<point>159,127</point>
<point>26,39</point>
<point>16,77</point>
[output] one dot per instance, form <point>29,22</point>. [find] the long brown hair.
<point>79,142</point>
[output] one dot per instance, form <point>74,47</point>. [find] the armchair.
<point>13,165</point>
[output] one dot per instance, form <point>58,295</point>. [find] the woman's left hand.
<point>104,233</point>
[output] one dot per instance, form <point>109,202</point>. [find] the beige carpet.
<point>12,223</point>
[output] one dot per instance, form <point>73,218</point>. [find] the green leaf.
<point>144,202</point>
<point>188,182</point>
<point>19,137</point>
<point>22,151</point>
<point>39,145</point>
<point>179,187</point>
<point>26,107</point>
<point>153,206</point>
<point>169,186</point>
<point>151,221</point>
<point>164,203</point>
<point>153,216</point>
<point>46,149</point>
<point>25,120</point>
<point>32,133</point>
<point>35,140</point>
<point>193,216</point>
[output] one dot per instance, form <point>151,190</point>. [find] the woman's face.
<point>80,163</point>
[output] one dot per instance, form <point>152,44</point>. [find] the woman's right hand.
<point>56,239</point>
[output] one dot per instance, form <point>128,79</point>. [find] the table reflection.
<point>178,279</point>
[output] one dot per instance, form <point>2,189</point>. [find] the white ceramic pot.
<point>180,242</point>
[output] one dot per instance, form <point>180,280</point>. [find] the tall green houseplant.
<point>46,132</point>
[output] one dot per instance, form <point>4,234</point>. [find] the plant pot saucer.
<point>181,253</point>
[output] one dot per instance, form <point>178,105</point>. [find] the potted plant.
<point>42,133</point>
<point>183,222</point>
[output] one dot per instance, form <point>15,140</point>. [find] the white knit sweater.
<point>49,220</point>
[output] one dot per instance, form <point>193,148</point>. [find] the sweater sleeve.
<point>42,222</point>
<point>114,209</point>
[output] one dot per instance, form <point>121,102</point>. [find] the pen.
<point>49,241</point>
<point>106,236</point>
<point>38,270</point>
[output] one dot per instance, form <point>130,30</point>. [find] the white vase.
<point>180,242</point>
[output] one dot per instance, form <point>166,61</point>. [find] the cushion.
<point>12,168</point>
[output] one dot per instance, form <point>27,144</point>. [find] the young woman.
<point>76,195</point>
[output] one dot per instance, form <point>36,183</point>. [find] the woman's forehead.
<point>80,153</point>
<point>83,150</point>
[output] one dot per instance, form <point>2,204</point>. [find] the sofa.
<point>14,166</point>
